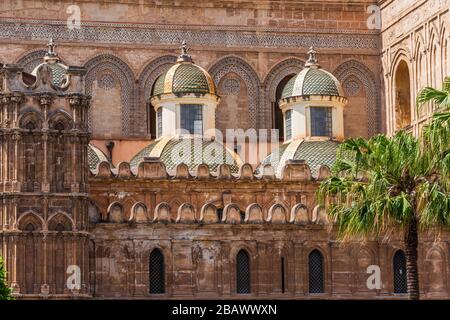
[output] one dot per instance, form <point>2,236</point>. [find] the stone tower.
<point>44,178</point>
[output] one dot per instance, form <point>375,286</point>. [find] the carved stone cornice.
<point>45,99</point>
<point>75,99</point>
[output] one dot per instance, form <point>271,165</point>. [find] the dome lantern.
<point>184,98</point>
<point>312,103</point>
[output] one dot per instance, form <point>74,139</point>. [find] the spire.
<point>312,60</point>
<point>51,55</point>
<point>184,56</point>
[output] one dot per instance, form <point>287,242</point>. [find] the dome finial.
<point>51,55</point>
<point>312,60</point>
<point>184,56</point>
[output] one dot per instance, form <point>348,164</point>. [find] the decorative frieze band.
<point>165,35</point>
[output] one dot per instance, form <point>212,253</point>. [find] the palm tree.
<point>5,291</point>
<point>387,184</point>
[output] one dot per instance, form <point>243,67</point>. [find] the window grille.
<point>159,116</point>
<point>321,122</point>
<point>156,270</point>
<point>192,118</point>
<point>316,272</point>
<point>400,272</point>
<point>288,125</point>
<point>242,272</point>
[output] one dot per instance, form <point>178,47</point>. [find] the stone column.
<point>14,239</point>
<point>45,101</point>
<point>15,187</point>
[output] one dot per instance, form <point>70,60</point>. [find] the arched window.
<point>156,271</point>
<point>277,114</point>
<point>316,272</point>
<point>242,272</point>
<point>400,272</point>
<point>402,96</point>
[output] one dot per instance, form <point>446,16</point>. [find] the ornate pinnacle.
<point>51,54</point>
<point>184,56</point>
<point>312,60</point>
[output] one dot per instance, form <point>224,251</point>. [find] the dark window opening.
<point>156,270</point>
<point>219,214</point>
<point>400,283</point>
<point>151,120</point>
<point>242,272</point>
<point>283,285</point>
<point>316,272</point>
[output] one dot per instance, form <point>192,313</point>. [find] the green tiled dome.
<point>212,153</point>
<point>95,156</point>
<point>184,78</point>
<point>315,154</point>
<point>312,81</point>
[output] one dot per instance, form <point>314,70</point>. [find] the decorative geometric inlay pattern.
<point>352,87</point>
<point>361,72</point>
<point>245,71</point>
<point>106,82</point>
<point>109,64</point>
<point>150,34</point>
<point>231,86</point>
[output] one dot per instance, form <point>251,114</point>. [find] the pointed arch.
<point>31,59</point>
<point>31,221</point>
<point>273,85</point>
<point>60,120</point>
<point>111,66</point>
<point>237,65</point>
<point>358,70</point>
<point>403,114</point>
<point>30,118</point>
<point>152,70</point>
<point>115,212</point>
<point>60,221</point>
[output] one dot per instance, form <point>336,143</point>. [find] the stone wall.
<point>200,223</point>
<point>417,35</point>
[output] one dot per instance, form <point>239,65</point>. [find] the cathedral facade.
<point>116,165</point>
